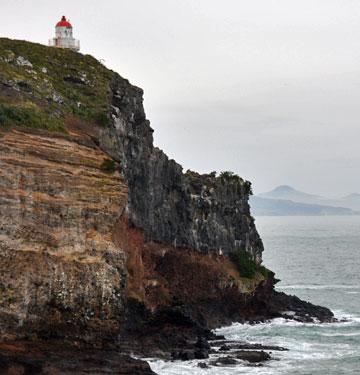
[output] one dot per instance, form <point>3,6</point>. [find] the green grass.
<point>28,116</point>
<point>245,265</point>
<point>264,271</point>
<point>48,78</point>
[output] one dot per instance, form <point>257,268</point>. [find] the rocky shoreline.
<point>58,357</point>
<point>171,334</point>
<point>176,337</point>
<point>181,340</point>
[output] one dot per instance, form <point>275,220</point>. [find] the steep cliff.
<point>201,212</point>
<point>57,212</point>
<point>103,239</point>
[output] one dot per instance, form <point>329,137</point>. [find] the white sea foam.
<point>316,287</point>
<point>349,334</point>
<point>191,368</point>
<point>321,349</point>
<point>302,340</point>
<point>348,318</point>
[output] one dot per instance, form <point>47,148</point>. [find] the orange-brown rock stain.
<point>159,274</point>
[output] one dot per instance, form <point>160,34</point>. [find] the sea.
<point>317,258</point>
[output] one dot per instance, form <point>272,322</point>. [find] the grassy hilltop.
<point>46,87</point>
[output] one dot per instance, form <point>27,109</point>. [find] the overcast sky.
<point>267,88</point>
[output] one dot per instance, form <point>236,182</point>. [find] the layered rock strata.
<point>58,264</point>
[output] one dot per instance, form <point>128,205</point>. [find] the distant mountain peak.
<point>288,193</point>
<point>284,189</point>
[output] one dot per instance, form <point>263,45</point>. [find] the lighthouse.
<point>64,36</point>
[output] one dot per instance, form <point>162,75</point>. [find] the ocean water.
<point>317,259</point>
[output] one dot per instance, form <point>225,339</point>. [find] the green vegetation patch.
<point>63,81</point>
<point>29,116</point>
<point>108,166</point>
<point>232,178</point>
<point>245,265</point>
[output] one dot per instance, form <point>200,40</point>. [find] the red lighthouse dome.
<point>64,36</point>
<point>63,23</point>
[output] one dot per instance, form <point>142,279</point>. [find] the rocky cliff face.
<point>201,212</point>
<point>59,265</point>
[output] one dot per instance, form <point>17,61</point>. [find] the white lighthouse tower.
<point>64,36</point>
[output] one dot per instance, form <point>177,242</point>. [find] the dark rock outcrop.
<point>201,212</point>
<point>292,307</point>
<point>252,356</point>
<point>231,345</point>
<point>39,358</point>
<point>224,361</point>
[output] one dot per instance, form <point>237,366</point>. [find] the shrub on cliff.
<point>108,166</point>
<point>232,178</point>
<point>246,266</point>
<point>264,271</point>
<point>28,115</point>
<point>229,176</point>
